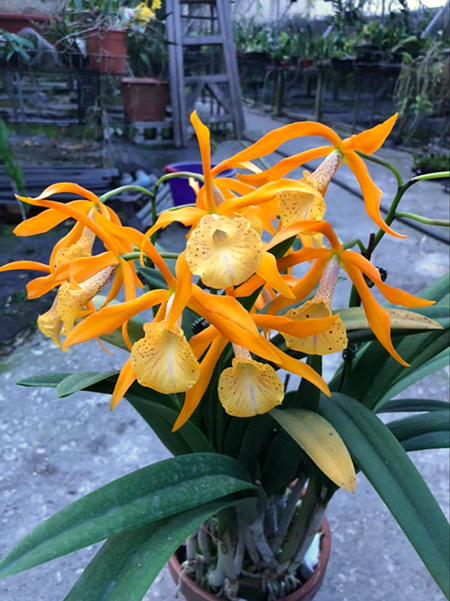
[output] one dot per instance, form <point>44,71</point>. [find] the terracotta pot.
<point>107,50</point>
<point>15,22</point>
<point>307,592</point>
<point>144,99</point>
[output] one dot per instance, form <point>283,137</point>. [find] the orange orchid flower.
<point>79,275</point>
<point>355,265</point>
<point>164,343</point>
<point>368,141</point>
<point>224,247</point>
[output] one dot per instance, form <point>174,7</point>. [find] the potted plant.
<point>254,467</point>
<point>146,93</point>
<point>104,27</point>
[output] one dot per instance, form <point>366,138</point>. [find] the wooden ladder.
<point>203,67</point>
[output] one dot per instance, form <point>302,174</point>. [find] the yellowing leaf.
<point>321,443</point>
<point>354,319</point>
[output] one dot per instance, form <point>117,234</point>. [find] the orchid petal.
<point>274,139</point>
<point>268,271</point>
<point>392,294</point>
<point>195,394</point>
<point>203,137</point>
<point>32,265</point>
<point>371,192</point>
<point>304,370</point>
<point>377,316</point>
<point>48,219</point>
<point>370,140</point>
<point>285,166</point>
<point>111,318</point>
<point>182,291</point>
<point>299,329</point>
<point>124,381</point>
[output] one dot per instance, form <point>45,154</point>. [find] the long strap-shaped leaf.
<point>158,410</point>
<point>319,439</point>
<point>393,475</point>
<point>426,431</point>
<point>128,563</point>
<point>151,493</point>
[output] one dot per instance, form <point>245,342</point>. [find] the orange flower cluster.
<point>227,274</point>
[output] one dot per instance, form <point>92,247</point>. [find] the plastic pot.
<point>107,50</point>
<point>307,592</point>
<point>182,193</point>
<point>144,99</point>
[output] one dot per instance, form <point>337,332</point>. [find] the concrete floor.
<point>56,450</point>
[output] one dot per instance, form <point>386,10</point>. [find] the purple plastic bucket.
<point>182,193</point>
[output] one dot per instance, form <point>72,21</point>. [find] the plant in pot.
<point>254,467</point>
<point>146,94</point>
<point>105,29</point>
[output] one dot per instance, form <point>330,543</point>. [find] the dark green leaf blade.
<point>410,405</point>
<point>127,564</point>
<point>415,431</point>
<point>80,381</point>
<point>43,380</point>
<point>395,478</point>
<point>146,495</point>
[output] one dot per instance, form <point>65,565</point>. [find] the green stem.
<point>427,176</point>
<point>379,161</point>
<point>117,191</point>
<point>136,255</point>
<point>424,220</point>
<point>392,210</point>
<point>351,243</point>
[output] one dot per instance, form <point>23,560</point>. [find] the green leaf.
<point>388,468</point>
<point>438,289</point>
<point>43,380</point>
<point>152,277</point>
<point>158,410</point>
<point>128,563</point>
<point>162,419</point>
<point>406,405</point>
<point>412,376</point>
<point>146,495</point>
<point>417,430</point>
<point>81,381</point>
<point>320,441</point>
<point>355,319</point>
<point>375,372</point>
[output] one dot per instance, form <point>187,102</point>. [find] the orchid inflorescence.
<point>235,272</point>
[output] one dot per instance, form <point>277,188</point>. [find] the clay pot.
<point>307,592</point>
<point>144,99</point>
<point>15,22</point>
<point>107,50</point>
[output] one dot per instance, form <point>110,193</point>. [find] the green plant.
<point>13,45</point>
<point>422,88</point>
<point>244,449</point>
<point>7,157</point>
<point>148,49</point>
<point>429,161</point>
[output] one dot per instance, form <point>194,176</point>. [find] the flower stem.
<point>425,220</point>
<point>427,176</point>
<point>351,243</point>
<point>136,254</point>
<point>379,161</point>
<point>130,187</point>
